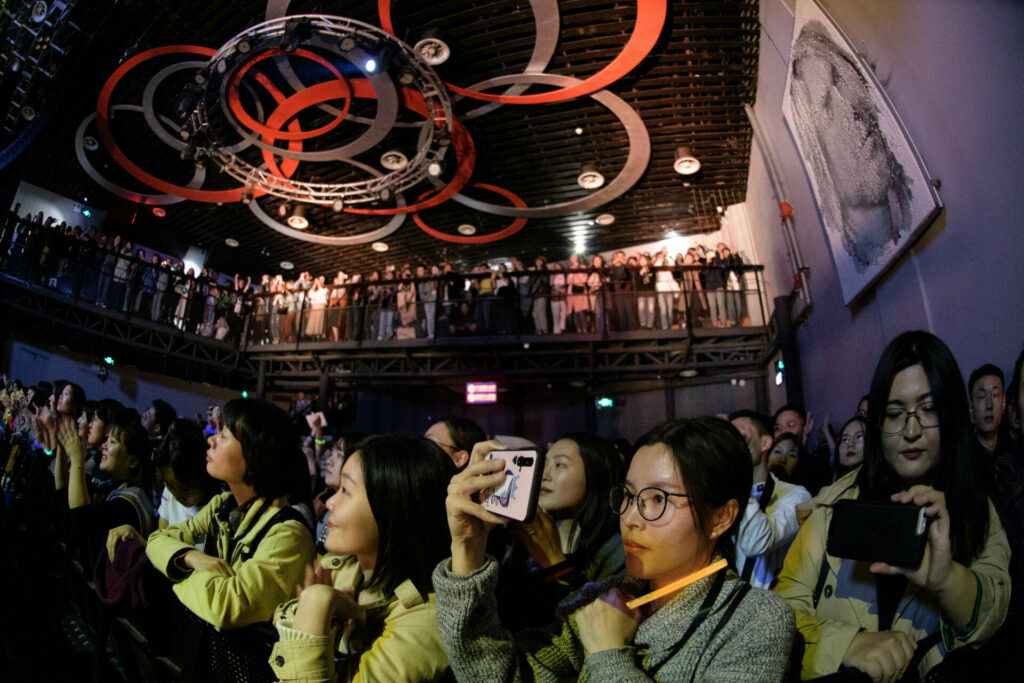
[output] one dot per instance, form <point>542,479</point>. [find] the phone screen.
<point>516,498</point>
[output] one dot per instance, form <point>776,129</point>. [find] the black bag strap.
<point>822,578</point>
<point>283,515</point>
<point>698,618</point>
<point>734,602</point>
<point>889,591</point>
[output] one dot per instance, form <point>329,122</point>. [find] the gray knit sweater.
<point>753,645</point>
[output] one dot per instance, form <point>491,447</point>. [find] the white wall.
<point>128,385</point>
<point>953,71</point>
<point>34,199</point>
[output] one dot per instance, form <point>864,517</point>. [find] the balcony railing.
<point>447,309</point>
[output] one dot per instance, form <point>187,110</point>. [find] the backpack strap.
<point>283,515</point>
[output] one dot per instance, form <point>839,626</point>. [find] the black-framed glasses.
<point>651,502</point>
<point>894,420</point>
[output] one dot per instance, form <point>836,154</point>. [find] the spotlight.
<point>337,205</point>
<point>244,46</point>
<point>28,112</point>
<point>435,168</point>
<point>90,143</point>
<point>433,48</point>
<point>590,178</point>
<point>371,65</point>
<point>298,218</point>
<point>686,163</point>
<point>385,194</point>
<point>282,210</point>
<point>347,43</point>
<point>406,76</point>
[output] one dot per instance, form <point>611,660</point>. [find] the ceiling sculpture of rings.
<point>286,99</point>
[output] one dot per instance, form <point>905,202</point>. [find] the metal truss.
<point>675,358</point>
<point>78,325</point>
<point>516,362</point>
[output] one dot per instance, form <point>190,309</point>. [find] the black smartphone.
<point>516,498</point>
<point>878,531</point>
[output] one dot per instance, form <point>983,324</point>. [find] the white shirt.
<point>767,535</point>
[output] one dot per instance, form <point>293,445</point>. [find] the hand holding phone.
<point>878,531</point>
<point>516,498</point>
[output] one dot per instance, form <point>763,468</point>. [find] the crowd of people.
<point>702,551</point>
<point>703,287</point>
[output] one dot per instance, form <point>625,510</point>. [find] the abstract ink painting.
<point>872,189</point>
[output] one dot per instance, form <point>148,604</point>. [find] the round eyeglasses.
<point>651,502</point>
<point>894,420</point>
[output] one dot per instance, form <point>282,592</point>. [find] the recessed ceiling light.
<point>605,219</point>
<point>688,372</point>
<point>159,212</point>
<point>578,131</point>
<point>298,222</point>
<point>379,246</point>
<point>90,143</point>
<point>467,229</point>
<point>393,160</point>
<point>287,265</point>
<point>590,178</point>
<point>231,242</point>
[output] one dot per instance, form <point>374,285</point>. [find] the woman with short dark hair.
<point>258,545</point>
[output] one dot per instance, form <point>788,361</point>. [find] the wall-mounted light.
<point>686,163</point>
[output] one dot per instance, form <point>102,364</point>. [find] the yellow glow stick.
<point>677,585</point>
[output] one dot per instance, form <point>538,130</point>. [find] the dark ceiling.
<point>689,90</point>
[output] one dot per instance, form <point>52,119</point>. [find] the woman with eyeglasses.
<point>850,453</point>
<point>679,511</point>
<point>918,448</point>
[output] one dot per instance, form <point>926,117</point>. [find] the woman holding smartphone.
<point>918,449</point>
<point>369,604</point>
<point>678,514</point>
<point>573,537</point>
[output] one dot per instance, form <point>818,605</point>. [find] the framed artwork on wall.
<point>871,187</point>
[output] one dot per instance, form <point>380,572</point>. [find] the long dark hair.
<point>595,522</point>
<point>136,443</point>
<point>406,479</point>
<point>957,472</point>
<point>714,463</point>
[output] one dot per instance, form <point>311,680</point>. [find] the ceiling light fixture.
<point>90,143</point>
<point>393,160</point>
<point>298,218</point>
<point>231,242</point>
<point>379,246</point>
<point>287,265</point>
<point>686,163</point>
<point>467,229</point>
<point>590,178</point>
<point>578,131</point>
<point>605,219</point>
<point>433,48</point>
<point>159,212</point>
<point>337,205</point>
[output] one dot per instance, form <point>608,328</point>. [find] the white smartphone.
<point>516,498</point>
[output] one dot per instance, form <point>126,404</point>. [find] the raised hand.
<point>468,521</point>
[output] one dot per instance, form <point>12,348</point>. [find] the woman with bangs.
<point>366,612</point>
<point>256,545</point>
<point>918,448</point>
<point>678,515</point>
<point>125,461</point>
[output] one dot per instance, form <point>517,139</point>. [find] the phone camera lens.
<point>523,461</point>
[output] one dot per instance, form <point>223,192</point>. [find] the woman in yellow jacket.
<point>257,548</point>
<point>918,449</point>
<point>370,603</point>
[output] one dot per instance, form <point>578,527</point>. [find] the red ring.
<point>235,103</point>
<point>509,230</point>
<point>650,20</point>
<point>103,126</point>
